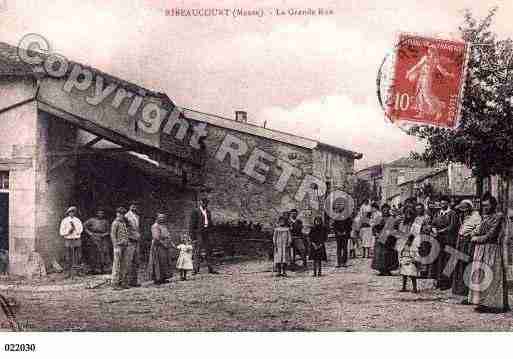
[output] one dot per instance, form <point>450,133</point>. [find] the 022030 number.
<point>20,347</point>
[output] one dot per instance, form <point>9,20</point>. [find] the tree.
<point>482,140</point>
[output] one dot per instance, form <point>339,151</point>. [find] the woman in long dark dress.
<point>471,221</point>
<point>489,291</point>
<point>159,265</point>
<point>317,247</point>
<point>385,257</point>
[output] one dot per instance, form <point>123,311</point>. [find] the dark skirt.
<point>159,265</point>
<point>385,258</point>
<point>318,254</point>
<point>431,270</point>
<point>458,283</point>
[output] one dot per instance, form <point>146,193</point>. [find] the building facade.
<point>64,143</point>
<point>60,148</point>
<point>290,171</point>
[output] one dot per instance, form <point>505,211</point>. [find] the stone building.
<point>386,177</point>
<point>292,171</point>
<point>86,138</point>
<point>62,147</point>
<point>454,180</point>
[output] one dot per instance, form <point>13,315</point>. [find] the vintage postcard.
<point>233,166</point>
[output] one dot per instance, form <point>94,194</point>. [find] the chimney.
<point>241,116</point>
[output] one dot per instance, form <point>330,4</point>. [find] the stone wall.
<point>55,183</point>
<point>237,196</point>
<point>18,128</point>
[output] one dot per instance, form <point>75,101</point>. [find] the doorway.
<point>4,221</point>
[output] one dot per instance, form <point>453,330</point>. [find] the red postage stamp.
<point>428,81</point>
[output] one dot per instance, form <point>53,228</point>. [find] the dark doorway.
<point>4,221</point>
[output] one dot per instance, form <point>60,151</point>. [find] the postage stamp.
<point>428,81</point>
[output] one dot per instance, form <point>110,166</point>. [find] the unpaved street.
<point>246,297</point>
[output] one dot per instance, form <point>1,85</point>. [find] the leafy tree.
<point>482,140</point>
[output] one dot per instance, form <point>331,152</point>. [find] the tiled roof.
<point>406,162</point>
<point>425,174</point>
<point>10,62</point>
<point>259,131</point>
<point>12,65</point>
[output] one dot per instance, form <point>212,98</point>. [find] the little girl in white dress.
<point>184,262</point>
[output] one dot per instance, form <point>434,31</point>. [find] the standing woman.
<point>488,285</point>
<point>159,267</point>
<point>282,240</point>
<point>375,219</point>
<point>471,221</point>
<point>422,226</point>
<point>385,258</point>
<point>317,247</point>
<point>408,247</point>
<point>366,235</point>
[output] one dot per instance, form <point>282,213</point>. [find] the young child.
<point>282,240</point>
<point>366,235</point>
<point>184,262</point>
<point>317,247</point>
<point>408,261</point>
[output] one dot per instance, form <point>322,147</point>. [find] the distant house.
<point>454,180</point>
<point>385,178</point>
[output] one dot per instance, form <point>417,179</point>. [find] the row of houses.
<point>398,180</point>
<point>59,148</point>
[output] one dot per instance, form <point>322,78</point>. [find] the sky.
<point>313,76</point>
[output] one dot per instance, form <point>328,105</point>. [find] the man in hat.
<point>298,242</point>
<point>119,237</point>
<point>71,230</point>
<point>445,231</point>
<point>200,226</point>
<point>342,227</point>
<point>132,250</point>
<point>97,229</point>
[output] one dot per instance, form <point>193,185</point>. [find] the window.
<point>400,177</point>
<point>4,180</point>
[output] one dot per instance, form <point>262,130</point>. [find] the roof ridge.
<point>317,142</point>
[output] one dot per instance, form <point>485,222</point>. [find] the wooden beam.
<point>90,151</point>
<point>92,127</point>
<point>93,142</point>
<point>110,135</point>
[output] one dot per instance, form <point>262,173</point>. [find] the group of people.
<point>457,247</point>
<point>117,245</point>
<point>289,241</point>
